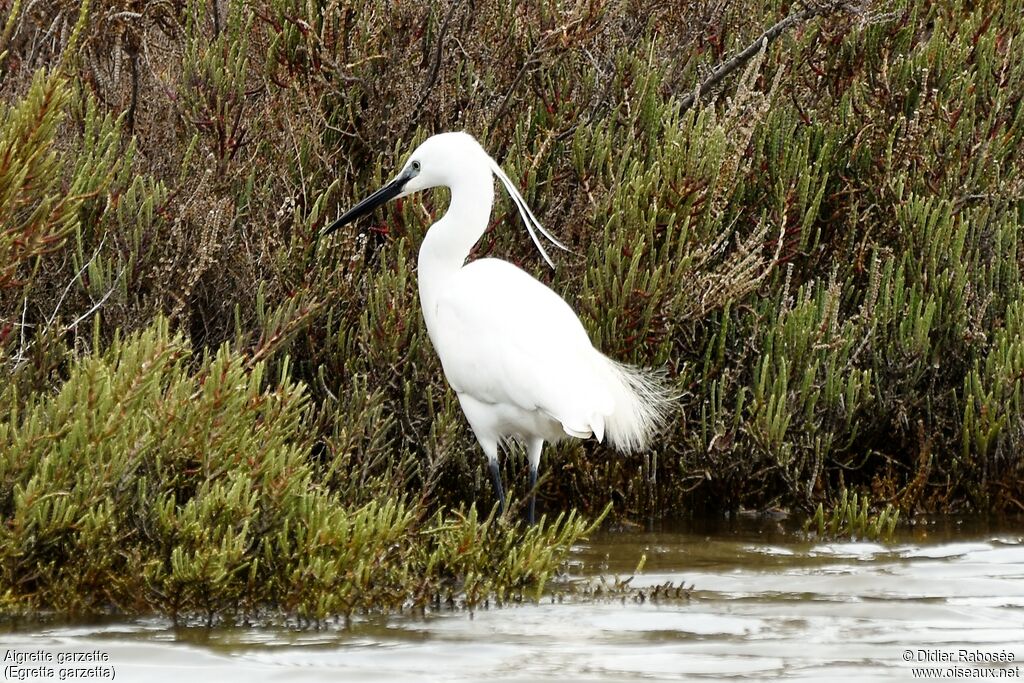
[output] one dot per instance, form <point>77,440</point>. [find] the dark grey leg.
<point>533,495</point>
<point>533,449</point>
<point>496,477</point>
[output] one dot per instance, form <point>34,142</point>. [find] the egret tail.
<point>643,403</point>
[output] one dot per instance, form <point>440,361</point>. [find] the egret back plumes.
<point>517,356</point>
<point>642,405</point>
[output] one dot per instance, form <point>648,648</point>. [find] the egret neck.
<point>448,242</point>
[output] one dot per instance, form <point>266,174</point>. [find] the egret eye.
<point>416,166</point>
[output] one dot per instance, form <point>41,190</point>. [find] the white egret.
<point>515,353</point>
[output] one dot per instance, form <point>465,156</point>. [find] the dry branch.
<point>762,42</point>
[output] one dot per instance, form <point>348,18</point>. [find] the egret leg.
<point>490,447</point>
<point>496,477</point>
<point>533,449</point>
<point>533,495</point>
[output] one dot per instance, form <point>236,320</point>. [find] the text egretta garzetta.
<point>515,353</point>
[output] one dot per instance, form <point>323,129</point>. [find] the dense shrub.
<point>145,485</point>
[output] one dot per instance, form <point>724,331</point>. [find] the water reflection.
<point>766,603</point>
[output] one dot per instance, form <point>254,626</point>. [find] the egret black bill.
<point>381,196</point>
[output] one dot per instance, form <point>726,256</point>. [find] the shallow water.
<point>765,604</point>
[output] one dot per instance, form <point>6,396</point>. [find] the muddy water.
<point>766,603</point>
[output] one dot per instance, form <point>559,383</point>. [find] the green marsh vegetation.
<point>202,417</point>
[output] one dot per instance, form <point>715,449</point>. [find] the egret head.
<point>445,159</point>
<point>442,160</point>
<point>438,161</point>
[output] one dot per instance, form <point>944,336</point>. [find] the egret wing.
<point>505,338</point>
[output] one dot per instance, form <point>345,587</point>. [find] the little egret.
<point>515,353</point>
